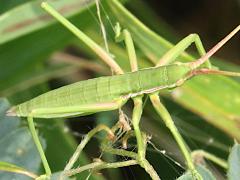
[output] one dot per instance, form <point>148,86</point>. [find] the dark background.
<point>211,19</point>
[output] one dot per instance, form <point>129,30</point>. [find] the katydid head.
<point>11,112</point>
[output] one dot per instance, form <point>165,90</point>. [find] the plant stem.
<point>38,145</point>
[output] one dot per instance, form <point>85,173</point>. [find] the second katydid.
<point>112,92</point>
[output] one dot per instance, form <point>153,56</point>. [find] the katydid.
<point>107,93</point>
<point>112,92</point>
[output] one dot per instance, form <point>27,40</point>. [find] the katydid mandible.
<point>108,93</point>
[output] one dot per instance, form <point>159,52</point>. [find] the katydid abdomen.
<point>109,89</point>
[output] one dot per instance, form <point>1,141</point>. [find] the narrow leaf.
<point>30,17</point>
<point>205,173</point>
<point>4,166</point>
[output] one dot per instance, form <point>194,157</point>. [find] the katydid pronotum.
<point>107,93</point>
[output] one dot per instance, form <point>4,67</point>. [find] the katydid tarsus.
<point>108,93</point>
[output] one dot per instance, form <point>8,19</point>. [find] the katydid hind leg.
<point>180,47</point>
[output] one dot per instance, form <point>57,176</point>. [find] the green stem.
<point>83,143</point>
<point>200,153</point>
<point>38,145</point>
<point>163,112</point>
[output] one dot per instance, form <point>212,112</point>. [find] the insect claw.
<point>11,112</point>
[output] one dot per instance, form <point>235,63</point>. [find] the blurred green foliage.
<point>205,109</point>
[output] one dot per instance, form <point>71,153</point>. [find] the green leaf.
<point>16,146</point>
<point>7,124</point>
<point>205,173</point>
<point>9,4</point>
<point>18,62</point>
<point>4,166</point>
<point>30,17</point>
<point>234,163</point>
<point>41,76</point>
<point>54,176</point>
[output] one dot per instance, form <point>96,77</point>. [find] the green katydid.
<point>107,93</point>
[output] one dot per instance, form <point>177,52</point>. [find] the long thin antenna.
<point>213,71</point>
<point>204,58</point>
